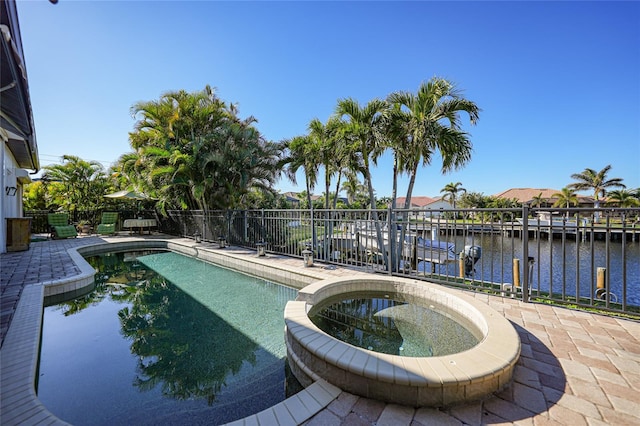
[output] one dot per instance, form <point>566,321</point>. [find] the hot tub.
<point>437,381</point>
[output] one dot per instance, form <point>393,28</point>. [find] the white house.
<point>438,206</point>
<point>19,154</point>
<point>424,206</point>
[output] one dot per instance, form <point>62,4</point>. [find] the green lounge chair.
<point>60,228</point>
<point>107,225</point>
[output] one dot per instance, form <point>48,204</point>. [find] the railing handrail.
<point>568,252</point>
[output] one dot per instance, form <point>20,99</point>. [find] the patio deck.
<point>576,368</point>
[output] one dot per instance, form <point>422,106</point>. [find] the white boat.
<point>432,251</point>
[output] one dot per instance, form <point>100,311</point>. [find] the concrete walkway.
<point>576,368</point>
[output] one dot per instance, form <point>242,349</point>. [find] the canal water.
<point>566,267</point>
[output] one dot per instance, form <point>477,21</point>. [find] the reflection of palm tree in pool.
<point>113,277</point>
<point>163,344</point>
<point>399,326</point>
<point>163,347</point>
<point>354,321</point>
<point>99,292</point>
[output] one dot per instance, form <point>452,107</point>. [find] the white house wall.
<point>439,205</point>
<point>11,205</point>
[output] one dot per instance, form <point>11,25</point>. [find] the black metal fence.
<point>581,257</point>
<point>39,224</point>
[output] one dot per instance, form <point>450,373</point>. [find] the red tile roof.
<point>524,195</point>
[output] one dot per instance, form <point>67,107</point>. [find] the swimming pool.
<point>165,338</point>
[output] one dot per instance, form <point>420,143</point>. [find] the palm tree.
<point>451,191</point>
<point>426,123</point>
<point>171,137</point>
<point>126,173</point>
<point>395,131</point>
<point>301,154</point>
<point>623,198</point>
<point>331,154</point>
<point>324,138</point>
<point>82,182</point>
<point>430,121</point>
<point>194,152</point>
<point>361,131</point>
<point>537,200</point>
<point>243,161</point>
<point>565,198</point>
<point>476,200</point>
<point>341,161</point>
<point>598,181</point>
<point>361,126</point>
<point>353,187</point>
<point>590,179</point>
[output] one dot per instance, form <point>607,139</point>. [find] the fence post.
<point>245,227</point>
<point>262,235</point>
<point>392,243</point>
<point>525,251</point>
<point>314,238</point>
<point>204,225</point>
<point>607,261</point>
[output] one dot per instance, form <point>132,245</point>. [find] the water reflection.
<point>564,267</point>
<point>117,275</point>
<point>179,349</point>
<point>181,345</point>
<point>395,324</point>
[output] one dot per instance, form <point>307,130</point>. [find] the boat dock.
<point>537,230</point>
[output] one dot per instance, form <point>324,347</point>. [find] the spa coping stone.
<point>442,381</point>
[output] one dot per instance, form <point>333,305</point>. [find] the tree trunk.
<point>396,250</point>
<point>407,206</point>
<point>376,221</point>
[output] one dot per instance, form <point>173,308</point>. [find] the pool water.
<point>395,324</point>
<point>165,339</point>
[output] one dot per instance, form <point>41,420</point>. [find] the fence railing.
<point>582,257</point>
<point>39,224</point>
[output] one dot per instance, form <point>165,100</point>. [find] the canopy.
<point>16,118</point>
<point>129,195</point>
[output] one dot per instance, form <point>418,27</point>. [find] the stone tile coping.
<point>421,381</point>
<point>20,351</point>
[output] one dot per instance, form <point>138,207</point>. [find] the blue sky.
<point>558,82</point>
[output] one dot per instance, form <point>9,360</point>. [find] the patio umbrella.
<point>130,195</point>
